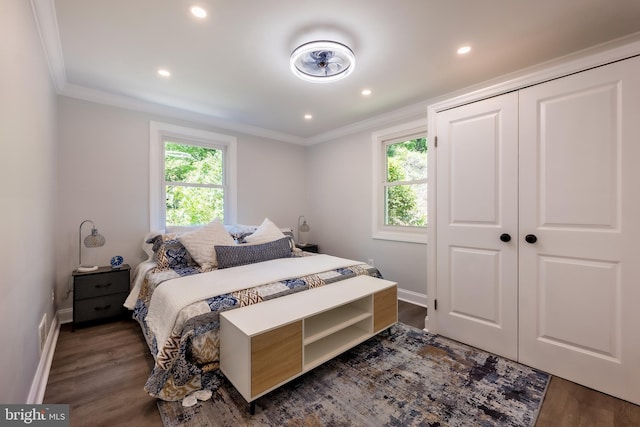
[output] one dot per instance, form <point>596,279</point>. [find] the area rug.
<point>403,377</point>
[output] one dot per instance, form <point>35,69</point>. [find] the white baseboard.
<point>417,299</point>
<point>65,315</point>
<point>412,297</point>
<point>39,383</point>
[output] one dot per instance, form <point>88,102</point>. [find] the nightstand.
<point>309,247</point>
<point>100,294</point>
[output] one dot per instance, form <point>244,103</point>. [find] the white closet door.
<point>477,193</point>
<point>580,197</point>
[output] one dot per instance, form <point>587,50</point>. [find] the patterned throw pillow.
<point>233,256</point>
<point>169,252</point>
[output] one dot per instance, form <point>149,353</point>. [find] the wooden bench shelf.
<point>265,345</point>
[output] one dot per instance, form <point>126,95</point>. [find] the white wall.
<point>104,176</point>
<point>28,176</point>
<point>340,213</point>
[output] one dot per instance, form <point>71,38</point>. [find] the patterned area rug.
<point>403,378</point>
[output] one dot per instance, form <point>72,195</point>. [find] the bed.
<point>190,278</point>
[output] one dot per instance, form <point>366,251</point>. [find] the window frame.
<point>160,132</point>
<point>380,140</point>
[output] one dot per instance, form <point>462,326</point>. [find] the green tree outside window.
<point>406,185</point>
<point>194,184</point>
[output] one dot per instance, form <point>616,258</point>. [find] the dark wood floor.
<point>100,372</point>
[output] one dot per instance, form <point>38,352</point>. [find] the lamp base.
<point>84,269</point>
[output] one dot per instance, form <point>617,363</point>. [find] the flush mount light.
<point>308,117</point>
<point>464,50</point>
<point>322,61</point>
<point>164,73</point>
<point>366,92</point>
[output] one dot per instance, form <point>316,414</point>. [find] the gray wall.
<point>340,213</point>
<point>104,176</point>
<point>28,176</point>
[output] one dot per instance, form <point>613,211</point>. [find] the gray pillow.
<point>232,256</point>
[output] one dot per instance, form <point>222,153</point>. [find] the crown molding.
<point>591,57</point>
<point>44,13</point>
<point>601,54</point>
<point>379,121</point>
<point>47,24</point>
<point>120,101</point>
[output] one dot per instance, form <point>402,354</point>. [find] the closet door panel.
<point>476,204</point>
<point>590,327</point>
<point>579,174</point>
<point>473,176</point>
<point>579,161</point>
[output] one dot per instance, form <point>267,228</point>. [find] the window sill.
<point>400,236</point>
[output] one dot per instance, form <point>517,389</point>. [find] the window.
<point>192,178</point>
<point>400,183</point>
<point>193,183</point>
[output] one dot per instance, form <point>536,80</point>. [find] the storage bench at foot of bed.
<point>263,346</point>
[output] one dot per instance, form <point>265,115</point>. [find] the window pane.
<point>406,205</point>
<point>407,161</point>
<point>192,164</point>
<point>193,205</point>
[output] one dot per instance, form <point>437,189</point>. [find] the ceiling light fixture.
<point>464,50</point>
<point>198,12</point>
<point>308,116</point>
<point>164,73</point>
<point>366,92</point>
<point>322,61</point>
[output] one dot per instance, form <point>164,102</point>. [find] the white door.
<point>477,200</point>
<point>580,197</point>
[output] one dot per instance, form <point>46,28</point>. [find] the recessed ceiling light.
<point>464,50</point>
<point>308,117</point>
<point>366,92</point>
<point>164,73</point>
<point>198,12</point>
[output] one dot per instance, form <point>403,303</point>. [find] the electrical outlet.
<point>370,262</point>
<point>42,331</point>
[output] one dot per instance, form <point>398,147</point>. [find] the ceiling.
<point>232,67</point>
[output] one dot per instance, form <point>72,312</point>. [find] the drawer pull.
<point>104,307</point>
<point>106,285</point>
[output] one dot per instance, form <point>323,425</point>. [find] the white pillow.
<point>266,232</point>
<point>200,243</point>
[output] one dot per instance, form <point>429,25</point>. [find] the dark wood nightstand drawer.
<point>100,294</point>
<point>99,308</point>
<point>95,285</point>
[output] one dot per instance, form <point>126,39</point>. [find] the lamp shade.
<point>94,240</point>
<point>303,230</point>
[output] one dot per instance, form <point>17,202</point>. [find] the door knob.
<point>505,237</point>
<point>530,238</point>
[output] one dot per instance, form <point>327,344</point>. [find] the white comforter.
<point>170,297</point>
